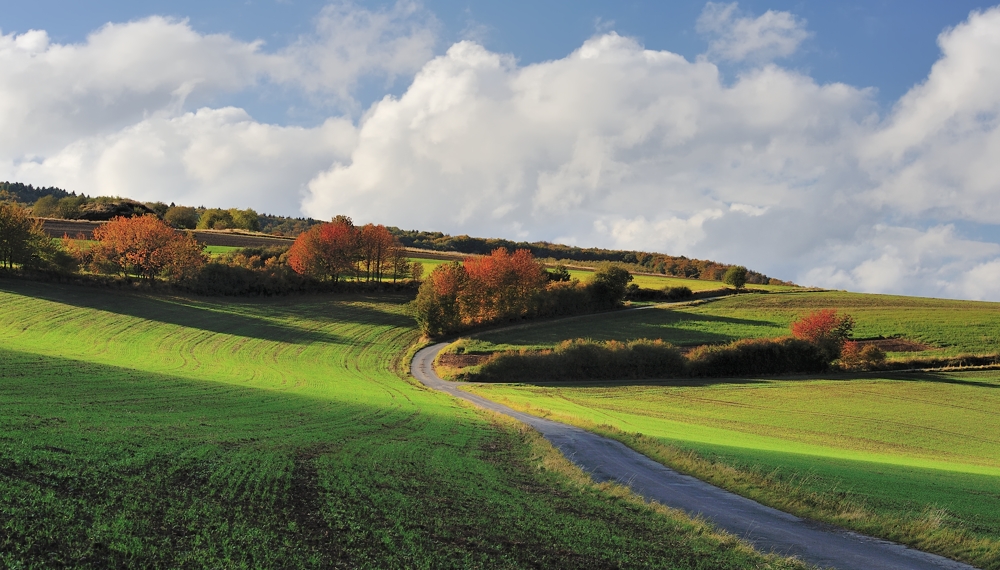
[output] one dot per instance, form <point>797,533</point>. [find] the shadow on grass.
<point>654,323</point>
<point>921,376</point>
<point>218,316</point>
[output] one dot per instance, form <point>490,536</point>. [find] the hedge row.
<point>583,359</point>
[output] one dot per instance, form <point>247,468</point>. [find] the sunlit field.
<point>145,431</point>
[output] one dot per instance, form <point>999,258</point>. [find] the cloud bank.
<point>613,145</point>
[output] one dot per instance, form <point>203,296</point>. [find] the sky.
<point>850,145</point>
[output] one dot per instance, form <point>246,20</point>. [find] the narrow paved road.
<point>769,530</point>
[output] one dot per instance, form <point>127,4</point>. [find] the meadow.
<point>946,327</point>
<point>913,457</point>
<point>154,431</point>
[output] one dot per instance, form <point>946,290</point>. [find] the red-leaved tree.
<point>826,329</point>
<point>501,285</point>
<point>325,251</point>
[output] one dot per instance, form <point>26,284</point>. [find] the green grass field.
<point>146,431</point>
<point>913,457</point>
<point>950,327</point>
<point>220,249</point>
<point>919,450</point>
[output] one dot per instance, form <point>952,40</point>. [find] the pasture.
<point>911,457</point>
<point>947,327</point>
<point>153,431</point>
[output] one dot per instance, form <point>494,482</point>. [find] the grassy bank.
<point>143,431</point>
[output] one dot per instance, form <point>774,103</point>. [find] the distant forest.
<point>59,203</point>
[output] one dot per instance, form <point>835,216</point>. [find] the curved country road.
<point>769,530</point>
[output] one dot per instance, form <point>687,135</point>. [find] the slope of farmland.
<point>147,431</point>
<point>949,327</point>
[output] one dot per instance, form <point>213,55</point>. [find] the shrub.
<point>856,356</point>
<point>583,359</point>
<point>681,292</point>
<point>826,329</point>
<point>609,286</point>
<point>751,357</point>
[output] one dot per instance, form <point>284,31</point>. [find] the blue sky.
<point>887,44</point>
<point>842,144</point>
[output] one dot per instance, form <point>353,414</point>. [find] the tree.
<point>145,247</point>
<point>437,306</point>
<point>21,237</point>
<point>215,219</point>
<point>325,251</point>
<point>609,285</point>
<point>736,276</point>
<point>244,219</point>
<point>45,207</point>
<point>826,329</point>
<point>376,248</point>
<point>416,270</point>
<point>183,217</point>
<point>501,285</point>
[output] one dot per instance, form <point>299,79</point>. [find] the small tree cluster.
<point>23,243</point>
<point>504,286</point>
<point>337,250</point>
<point>144,247</point>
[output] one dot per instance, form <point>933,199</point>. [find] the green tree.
<point>609,285</point>
<point>45,207</point>
<point>736,276</point>
<point>183,217</point>
<point>245,219</point>
<point>21,237</point>
<point>215,219</point>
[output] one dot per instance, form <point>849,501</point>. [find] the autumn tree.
<point>416,270</point>
<point>501,285</point>
<point>377,247</point>
<point>826,329</point>
<point>145,247</point>
<point>437,305</point>
<point>326,251</point>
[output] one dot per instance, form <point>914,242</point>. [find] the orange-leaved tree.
<point>145,247</point>
<point>378,247</point>
<point>825,328</point>
<point>501,285</point>
<point>326,251</point>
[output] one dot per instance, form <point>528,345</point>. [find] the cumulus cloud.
<point>613,145</point>
<point>116,114</point>
<point>739,37</point>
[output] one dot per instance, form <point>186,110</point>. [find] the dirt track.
<point>768,529</point>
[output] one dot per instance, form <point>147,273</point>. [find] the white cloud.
<point>614,145</point>
<point>738,37</point>
<point>937,153</point>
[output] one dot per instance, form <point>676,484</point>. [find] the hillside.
<point>149,431</point>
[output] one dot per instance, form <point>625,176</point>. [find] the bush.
<point>681,292</point>
<point>752,357</point>
<point>609,286</point>
<point>826,329</point>
<point>855,356</point>
<point>587,360</point>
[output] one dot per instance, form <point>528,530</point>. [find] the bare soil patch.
<point>462,360</point>
<point>897,344</point>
